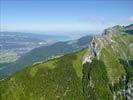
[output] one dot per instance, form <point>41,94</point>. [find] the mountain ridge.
<point>103,71</point>
<point>44,53</point>
<point>114,49</point>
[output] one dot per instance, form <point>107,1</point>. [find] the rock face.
<point>129,91</point>
<point>114,49</point>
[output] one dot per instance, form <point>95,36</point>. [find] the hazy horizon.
<point>62,17</point>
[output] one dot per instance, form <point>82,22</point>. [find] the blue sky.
<point>62,16</point>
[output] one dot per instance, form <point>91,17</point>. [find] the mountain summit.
<point>112,55</point>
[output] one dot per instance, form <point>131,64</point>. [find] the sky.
<point>64,16</point>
